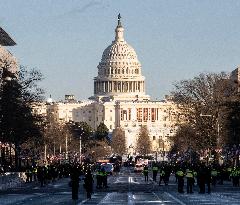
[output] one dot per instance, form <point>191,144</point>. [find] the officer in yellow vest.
<point>214,174</point>
<point>155,171</point>
<point>180,176</point>
<point>190,180</point>
<point>162,175</point>
<point>99,179</point>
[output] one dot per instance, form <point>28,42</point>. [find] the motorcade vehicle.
<point>108,167</point>
<point>138,168</point>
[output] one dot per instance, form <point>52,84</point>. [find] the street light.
<point>80,145</point>
<point>80,148</point>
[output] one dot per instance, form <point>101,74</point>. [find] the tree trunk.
<point>17,149</point>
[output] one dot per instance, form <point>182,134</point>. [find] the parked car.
<point>138,168</point>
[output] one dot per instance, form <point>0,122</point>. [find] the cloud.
<point>84,8</point>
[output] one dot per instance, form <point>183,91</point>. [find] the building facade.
<point>7,60</point>
<point>120,100</point>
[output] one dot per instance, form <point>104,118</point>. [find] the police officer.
<point>190,180</point>
<point>180,176</point>
<point>75,181</point>
<point>214,174</point>
<point>99,179</point>
<point>104,177</point>
<point>235,177</point>
<point>162,176</point>
<point>155,171</point>
<point>145,172</point>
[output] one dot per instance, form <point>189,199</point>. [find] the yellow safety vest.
<point>180,173</point>
<point>189,174</point>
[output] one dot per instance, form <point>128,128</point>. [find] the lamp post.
<point>80,145</point>
<point>66,145</point>
<point>80,148</point>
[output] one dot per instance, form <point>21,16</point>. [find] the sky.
<point>174,40</point>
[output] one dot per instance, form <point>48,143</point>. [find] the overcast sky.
<point>174,40</point>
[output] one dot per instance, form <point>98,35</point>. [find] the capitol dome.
<point>119,71</point>
<point>119,50</point>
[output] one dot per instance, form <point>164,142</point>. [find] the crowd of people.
<point>203,174</point>
<point>50,173</point>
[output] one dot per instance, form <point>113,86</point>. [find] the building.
<point>120,100</point>
<point>235,79</point>
<point>7,60</point>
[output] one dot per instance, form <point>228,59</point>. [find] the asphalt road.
<point>125,188</point>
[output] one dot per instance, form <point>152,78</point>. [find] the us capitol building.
<point>119,99</point>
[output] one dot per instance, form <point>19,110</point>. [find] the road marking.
<point>131,180</point>
<point>160,201</point>
<point>82,202</point>
<point>130,199</point>
<point>174,198</point>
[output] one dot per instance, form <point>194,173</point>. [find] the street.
<point>126,187</point>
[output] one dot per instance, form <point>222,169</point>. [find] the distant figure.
<point>190,180</point>
<point>88,183</point>
<point>154,172</point>
<point>99,179</point>
<point>180,176</point>
<point>145,172</point>
<point>40,175</point>
<point>162,175</point>
<point>74,181</point>
<point>104,176</point>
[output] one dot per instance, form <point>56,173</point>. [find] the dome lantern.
<point>119,30</point>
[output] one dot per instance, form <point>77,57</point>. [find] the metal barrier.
<point>12,179</point>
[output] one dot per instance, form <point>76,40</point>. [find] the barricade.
<point>12,180</point>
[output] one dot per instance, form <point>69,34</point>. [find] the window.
<point>154,137</point>
<point>153,114</point>
<point>139,114</point>
<point>129,113</point>
<point>145,114</point>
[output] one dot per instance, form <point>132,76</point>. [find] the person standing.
<point>155,171</point>
<point>214,174</point>
<point>99,179</point>
<point>208,179</point>
<point>88,183</point>
<point>145,172</point>
<point>190,180</point>
<point>201,175</point>
<point>74,181</point>
<point>180,176</point>
<point>162,175</point>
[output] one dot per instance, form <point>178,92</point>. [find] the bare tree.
<point>143,146</point>
<point>118,143</point>
<point>99,150</point>
<point>202,101</point>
